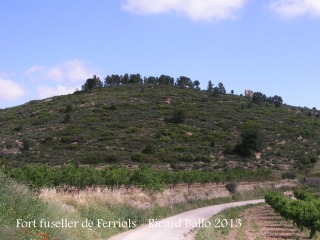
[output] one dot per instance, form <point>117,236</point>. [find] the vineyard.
<point>41,175</point>
<point>304,211</point>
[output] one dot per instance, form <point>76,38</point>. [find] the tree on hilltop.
<point>276,100</point>
<point>92,83</point>
<point>258,97</point>
<point>210,86</point>
<point>183,81</point>
<point>222,89</point>
<point>196,83</point>
<point>216,92</point>
<point>165,80</point>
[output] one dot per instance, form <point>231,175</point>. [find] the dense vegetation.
<point>40,175</point>
<point>304,212</point>
<point>165,124</point>
<point>17,202</point>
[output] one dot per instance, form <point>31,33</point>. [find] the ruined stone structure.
<point>248,93</point>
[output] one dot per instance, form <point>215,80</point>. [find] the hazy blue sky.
<point>51,47</point>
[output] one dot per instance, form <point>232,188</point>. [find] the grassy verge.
<point>24,216</point>
<point>17,202</point>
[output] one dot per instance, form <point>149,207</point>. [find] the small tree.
<point>26,145</point>
<point>222,89</point>
<point>69,108</point>
<point>210,86</point>
<point>67,118</point>
<point>231,187</point>
<point>149,149</point>
<point>196,83</point>
<point>251,139</point>
<point>216,92</point>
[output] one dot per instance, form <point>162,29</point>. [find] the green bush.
<point>138,158</point>
<point>69,108</point>
<point>186,158</point>
<point>231,187</point>
<point>67,118</point>
<point>289,175</point>
<point>17,202</point>
<point>111,158</point>
<point>205,159</point>
<point>178,117</point>
<point>149,149</point>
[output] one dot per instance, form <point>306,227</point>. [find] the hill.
<point>167,127</point>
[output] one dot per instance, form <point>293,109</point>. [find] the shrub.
<point>138,158</point>
<point>178,117</point>
<point>231,187</point>
<point>186,158</point>
<point>202,159</point>
<point>149,149</point>
<point>113,107</point>
<point>313,159</point>
<point>26,145</point>
<point>67,118</point>
<point>69,108</point>
<point>18,128</point>
<point>111,158</point>
<point>289,175</point>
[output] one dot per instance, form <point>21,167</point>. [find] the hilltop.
<point>164,126</point>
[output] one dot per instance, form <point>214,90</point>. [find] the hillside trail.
<point>178,227</point>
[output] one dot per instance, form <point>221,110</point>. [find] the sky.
<point>50,48</point>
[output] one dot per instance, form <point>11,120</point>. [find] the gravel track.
<point>178,227</point>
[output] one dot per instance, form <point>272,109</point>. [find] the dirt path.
<point>178,227</point>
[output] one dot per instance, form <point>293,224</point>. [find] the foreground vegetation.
<point>18,202</point>
<point>303,212</point>
<point>258,222</point>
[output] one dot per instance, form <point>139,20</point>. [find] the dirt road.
<point>178,227</point>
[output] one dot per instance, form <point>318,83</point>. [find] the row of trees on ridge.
<point>182,81</point>
<point>116,80</point>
